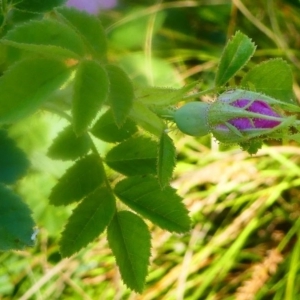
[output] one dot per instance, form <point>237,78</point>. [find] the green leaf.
<point>273,78</point>
<point>79,180</point>
<point>46,33</point>
<point>163,207</point>
<point>13,161</point>
<point>166,160</point>
<point>163,96</point>
<point>44,50</point>
<point>16,224</point>
<point>88,220</point>
<point>37,5</point>
<point>121,93</point>
<point>91,88</point>
<point>88,27</point>
<point>67,145</point>
<point>251,146</point>
<point>295,137</point>
<point>27,84</point>
<point>130,242</point>
<point>135,156</point>
<point>235,55</point>
<point>107,130</point>
<point>146,118</point>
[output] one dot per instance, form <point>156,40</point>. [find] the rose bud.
<point>238,116</point>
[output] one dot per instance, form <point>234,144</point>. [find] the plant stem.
<point>192,96</point>
<point>165,112</point>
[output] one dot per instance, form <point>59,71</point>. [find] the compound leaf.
<point>121,93</point>
<point>235,55</point>
<point>88,220</point>
<point>79,180</point>
<point>16,224</point>
<point>107,130</point>
<point>166,159</point>
<point>162,207</point>
<point>67,145</point>
<point>135,156</point>
<point>27,84</point>
<point>130,242</point>
<point>88,27</point>
<point>91,88</point>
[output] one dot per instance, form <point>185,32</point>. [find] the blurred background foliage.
<point>245,239</point>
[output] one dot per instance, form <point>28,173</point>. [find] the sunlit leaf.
<point>121,93</point>
<point>67,145</point>
<point>166,159</point>
<point>273,78</point>
<point>163,96</point>
<point>27,84</point>
<point>236,54</point>
<point>146,118</point>
<point>163,207</point>
<point>46,33</point>
<point>130,241</point>
<point>44,50</point>
<point>107,130</point>
<point>16,224</point>
<point>79,180</point>
<point>88,27</point>
<point>88,220</point>
<point>135,156</point>
<point>90,91</point>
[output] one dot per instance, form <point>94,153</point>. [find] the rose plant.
<point>59,63</point>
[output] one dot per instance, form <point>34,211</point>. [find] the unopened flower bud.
<point>234,119</point>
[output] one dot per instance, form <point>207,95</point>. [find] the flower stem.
<point>195,95</point>
<point>165,112</point>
